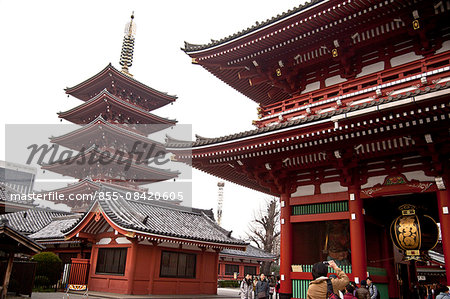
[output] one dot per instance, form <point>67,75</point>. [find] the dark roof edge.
<point>292,123</point>
<point>189,48</point>
<point>171,98</point>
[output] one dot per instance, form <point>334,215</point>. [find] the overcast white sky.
<point>50,45</point>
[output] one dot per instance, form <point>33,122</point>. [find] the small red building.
<point>235,264</point>
<point>133,247</point>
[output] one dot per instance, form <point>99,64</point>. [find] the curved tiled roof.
<point>54,229</point>
<point>163,220</point>
<point>251,253</point>
<point>97,99</point>
<point>312,118</point>
<point>188,47</point>
<point>32,220</point>
<point>69,90</point>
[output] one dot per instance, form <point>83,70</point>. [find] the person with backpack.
<point>373,291</point>
<point>246,287</point>
<point>323,287</point>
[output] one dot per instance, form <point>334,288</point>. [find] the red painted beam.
<point>320,217</point>
<point>319,198</point>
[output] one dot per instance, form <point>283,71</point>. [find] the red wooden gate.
<point>79,271</point>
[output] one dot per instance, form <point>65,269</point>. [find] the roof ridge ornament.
<point>126,56</point>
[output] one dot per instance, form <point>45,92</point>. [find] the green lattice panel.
<point>300,288</point>
<point>320,208</point>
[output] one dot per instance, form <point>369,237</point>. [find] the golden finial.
<point>126,56</point>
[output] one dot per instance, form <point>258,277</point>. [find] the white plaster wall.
<point>332,187</point>
<point>405,58</point>
<point>334,80</point>
<point>123,240</point>
<point>445,47</point>
<point>311,86</point>
<point>304,190</point>
<point>418,175</point>
<point>371,68</point>
<point>372,181</point>
<point>104,241</point>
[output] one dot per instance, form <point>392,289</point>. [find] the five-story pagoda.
<point>112,145</point>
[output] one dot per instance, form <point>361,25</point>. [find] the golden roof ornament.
<point>126,56</point>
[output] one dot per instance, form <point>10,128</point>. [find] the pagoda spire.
<point>126,56</point>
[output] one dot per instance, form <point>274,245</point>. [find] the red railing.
<point>79,271</point>
<point>375,85</point>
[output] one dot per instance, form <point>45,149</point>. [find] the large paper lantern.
<point>414,233</point>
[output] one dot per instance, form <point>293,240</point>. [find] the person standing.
<point>262,288</point>
<point>246,287</point>
<point>443,293</point>
<point>277,288</point>
<point>363,292</point>
<point>318,287</point>
<point>373,291</point>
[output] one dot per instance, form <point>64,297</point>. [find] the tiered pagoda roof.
<point>120,84</point>
<point>113,108</point>
<point>113,145</point>
<point>112,168</point>
<point>105,134</point>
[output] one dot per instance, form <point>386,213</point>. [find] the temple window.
<point>111,261</point>
<point>250,270</point>
<point>231,269</point>
<point>178,265</point>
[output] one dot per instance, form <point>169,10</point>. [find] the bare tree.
<point>264,230</point>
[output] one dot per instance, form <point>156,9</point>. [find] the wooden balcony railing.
<point>393,81</point>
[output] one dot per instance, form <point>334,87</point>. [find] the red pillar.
<point>285,247</point>
<point>444,220</point>
<point>357,234</point>
<point>131,266</point>
<point>216,259</point>
<point>154,259</point>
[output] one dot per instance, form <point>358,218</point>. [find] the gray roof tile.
<point>251,253</point>
<point>54,229</point>
<point>32,220</point>
<point>205,141</point>
<point>163,219</point>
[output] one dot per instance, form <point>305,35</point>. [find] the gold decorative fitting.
<point>334,52</point>
<point>278,72</point>
<point>412,252</point>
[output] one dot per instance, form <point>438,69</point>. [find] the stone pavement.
<point>222,293</point>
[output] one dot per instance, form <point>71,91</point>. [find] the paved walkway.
<point>222,293</point>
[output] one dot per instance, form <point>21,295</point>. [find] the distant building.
<point>235,264</point>
<point>17,177</point>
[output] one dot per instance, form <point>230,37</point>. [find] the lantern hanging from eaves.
<point>413,233</point>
